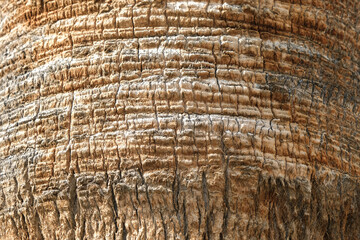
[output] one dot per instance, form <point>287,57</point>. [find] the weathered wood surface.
<point>174,119</point>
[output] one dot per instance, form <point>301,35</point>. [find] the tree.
<point>159,119</point>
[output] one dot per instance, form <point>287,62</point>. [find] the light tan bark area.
<point>218,119</point>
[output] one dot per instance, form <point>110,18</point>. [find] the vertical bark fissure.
<point>206,199</point>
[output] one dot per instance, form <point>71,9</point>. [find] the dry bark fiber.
<point>151,119</point>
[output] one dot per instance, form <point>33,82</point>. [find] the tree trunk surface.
<point>150,119</point>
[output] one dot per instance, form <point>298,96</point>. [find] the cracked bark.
<point>212,119</point>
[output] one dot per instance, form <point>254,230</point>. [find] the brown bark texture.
<point>165,119</point>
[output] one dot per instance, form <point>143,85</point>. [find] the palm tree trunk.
<point>151,119</point>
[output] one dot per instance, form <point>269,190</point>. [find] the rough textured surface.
<point>231,119</point>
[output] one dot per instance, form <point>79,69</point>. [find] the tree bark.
<point>150,119</point>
